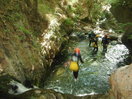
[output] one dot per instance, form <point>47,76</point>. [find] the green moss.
<point>130,37</point>
<point>95,11</point>
<point>125,24</point>
<point>45,8</point>
<point>24,30</point>
<point>78,10</point>
<point>122,26</point>
<point>68,21</point>
<point>112,1</point>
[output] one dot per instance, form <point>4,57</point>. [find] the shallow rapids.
<point>93,73</point>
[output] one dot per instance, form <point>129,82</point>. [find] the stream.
<point>94,72</point>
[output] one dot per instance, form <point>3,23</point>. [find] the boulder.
<point>121,83</point>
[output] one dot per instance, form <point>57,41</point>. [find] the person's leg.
<point>75,74</point>
<point>96,49</point>
<point>89,42</point>
<point>93,49</point>
<point>104,48</point>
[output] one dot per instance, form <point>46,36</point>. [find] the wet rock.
<point>20,50</point>
<point>113,38</point>
<point>127,40</point>
<point>28,84</point>
<point>121,83</point>
<point>50,94</point>
<point>59,71</point>
<point>5,86</point>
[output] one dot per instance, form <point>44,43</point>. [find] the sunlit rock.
<point>121,83</point>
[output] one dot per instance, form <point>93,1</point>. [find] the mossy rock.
<point>4,86</point>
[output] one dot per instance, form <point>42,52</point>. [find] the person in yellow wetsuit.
<point>75,58</point>
<point>95,44</point>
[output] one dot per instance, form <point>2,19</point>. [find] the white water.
<point>93,73</point>
<point>21,88</point>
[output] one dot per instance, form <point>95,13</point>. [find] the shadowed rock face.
<point>121,86</point>
<point>127,39</point>
<point>21,26</point>
<point>121,83</point>
<point>122,12</point>
<point>19,48</point>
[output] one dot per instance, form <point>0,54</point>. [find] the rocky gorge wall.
<point>122,12</point>
<point>22,54</point>
<point>121,79</point>
<point>20,51</point>
<point>31,34</point>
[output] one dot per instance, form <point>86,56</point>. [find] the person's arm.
<point>102,42</point>
<point>80,58</point>
<point>89,36</point>
<point>70,58</point>
<point>109,40</point>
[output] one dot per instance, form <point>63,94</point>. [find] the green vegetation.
<point>71,9</point>
<point>130,36</point>
<point>24,30</point>
<point>12,16</point>
<point>112,1</point>
<point>121,28</point>
<point>78,10</point>
<point>95,11</point>
<point>45,7</point>
<point>125,24</point>
<point>67,25</point>
<point>68,21</point>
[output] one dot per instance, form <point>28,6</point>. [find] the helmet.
<point>77,50</point>
<point>97,35</point>
<point>106,35</point>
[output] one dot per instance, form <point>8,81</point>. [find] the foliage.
<point>130,36</point>
<point>45,7</point>
<point>119,31</point>
<point>95,9</point>
<point>95,12</point>
<point>12,16</point>
<point>68,21</point>
<point>78,10</point>
<point>76,18</point>
<point>67,25</point>
<point>112,1</point>
<point>125,24</point>
<point>122,26</point>
<point>24,30</point>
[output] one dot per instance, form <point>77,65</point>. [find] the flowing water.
<point>93,73</point>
